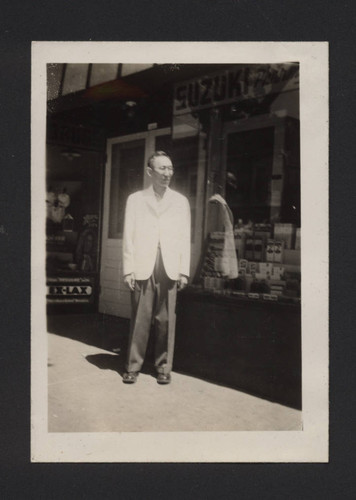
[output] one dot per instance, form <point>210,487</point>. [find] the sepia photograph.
<point>177,294</point>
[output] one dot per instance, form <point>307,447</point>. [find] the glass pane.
<point>75,78</point>
<point>128,69</point>
<point>54,77</point>
<point>101,73</point>
<point>249,174</point>
<point>127,167</point>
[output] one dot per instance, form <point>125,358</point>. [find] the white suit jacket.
<point>149,223</point>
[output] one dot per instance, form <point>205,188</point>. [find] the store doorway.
<point>125,174</point>
<point>127,157</point>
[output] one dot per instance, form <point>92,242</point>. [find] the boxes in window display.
<point>278,251</point>
<point>261,270</point>
<point>285,233</point>
<point>265,270</point>
<point>258,249</point>
<point>259,246</point>
<point>250,242</point>
<point>242,266</point>
<point>274,250</point>
<point>270,251</point>
<point>263,232</point>
<point>277,272</point>
<point>254,249</point>
<point>277,284</point>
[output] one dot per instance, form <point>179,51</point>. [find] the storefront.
<point>233,134</point>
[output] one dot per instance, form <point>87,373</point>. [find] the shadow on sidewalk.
<point>105,332</point>
<point>99,330</point>
<point>116,363</point>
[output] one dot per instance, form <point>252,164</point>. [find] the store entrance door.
<point>125,174</point>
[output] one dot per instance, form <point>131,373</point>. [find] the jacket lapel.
<point>150,199</point>
<point>166,200</point>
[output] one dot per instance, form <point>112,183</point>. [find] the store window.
<point>73,214</point>
<point>248,173</point>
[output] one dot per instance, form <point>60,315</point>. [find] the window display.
<point>268,268</point>
<point>72,226</point>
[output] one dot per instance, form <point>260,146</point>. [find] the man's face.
<point>161,171</point>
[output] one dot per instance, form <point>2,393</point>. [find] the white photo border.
<point>311,443</point>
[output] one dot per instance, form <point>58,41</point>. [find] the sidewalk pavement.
<point>86,393</point>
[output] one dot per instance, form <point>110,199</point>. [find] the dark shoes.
<point>129,377</point>
<point>163,378</point>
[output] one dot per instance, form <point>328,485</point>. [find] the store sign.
<point>233,85</point>
<point>69,290</point>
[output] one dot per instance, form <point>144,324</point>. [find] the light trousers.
<point>153,302</point>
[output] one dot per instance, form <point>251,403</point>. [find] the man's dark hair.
<point>155,155</point>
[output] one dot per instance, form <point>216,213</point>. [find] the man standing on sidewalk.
<point>156,260</point>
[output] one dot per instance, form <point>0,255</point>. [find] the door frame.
<point>111,247</point>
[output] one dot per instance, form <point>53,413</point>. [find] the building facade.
<point>230,129</point>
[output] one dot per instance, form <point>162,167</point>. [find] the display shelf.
<point>235,296</point>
